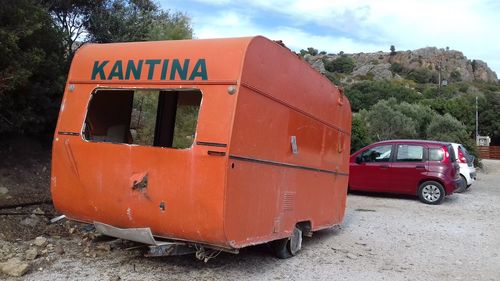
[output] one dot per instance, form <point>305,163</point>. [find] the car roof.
<point>414,141</point>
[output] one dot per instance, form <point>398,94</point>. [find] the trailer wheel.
<point>288,247</point>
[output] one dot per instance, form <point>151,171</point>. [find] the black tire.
<point>431,192</point>
<point>462,185</point>
<point>288,247</point>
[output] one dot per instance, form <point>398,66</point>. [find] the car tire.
<point>462,186</point>
<point>288,247</point>
<point>431,192</point>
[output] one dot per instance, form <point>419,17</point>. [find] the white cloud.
<point>365,25</point>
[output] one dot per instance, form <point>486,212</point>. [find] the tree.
<point>421,114</point>
<point>447,128</point>
<point>31,68</point>
<point>70,16</point>
<point>38,39</point>
<point>135,20</point>
<point>360,137</point>
<point>312,51</point>
<point>105,21</point>
<point>489,113</point>
<point>384,122</point>
<point>171,26</point>
<point>393,50</point>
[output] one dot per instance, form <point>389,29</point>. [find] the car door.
<point>408,168</point>
<point>370,171</point>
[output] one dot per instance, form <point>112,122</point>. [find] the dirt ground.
<point>381,238</point>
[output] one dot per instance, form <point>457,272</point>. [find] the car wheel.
<point>462,185</point>
<point>431,192</point>
<point>288,247</point>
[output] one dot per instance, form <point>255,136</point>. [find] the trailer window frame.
<point>133,90</point>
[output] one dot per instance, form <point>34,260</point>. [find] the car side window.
<point>436,154</point>
<point>380,153</point>
<point>410,153</point>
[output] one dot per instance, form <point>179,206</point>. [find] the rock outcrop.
<point>451,64</point>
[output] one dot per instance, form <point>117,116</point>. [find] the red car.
<point>428,169</point>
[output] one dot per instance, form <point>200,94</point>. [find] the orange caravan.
<point>201,145</point>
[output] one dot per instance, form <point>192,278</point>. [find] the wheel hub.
<point>431,193</point>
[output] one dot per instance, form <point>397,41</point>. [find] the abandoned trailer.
<point>236,142</point>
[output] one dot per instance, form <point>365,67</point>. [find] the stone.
<point>59,249</point>
<point>38,211</point>
<point>104,247</point>
<point>40,241</point>
<point>32,220</point>
<point>351,256</point>
<point>14,267</point>
<point>318,65</point>
<point>378,71</point>
<point>3,190</point>
<point>31,254</point>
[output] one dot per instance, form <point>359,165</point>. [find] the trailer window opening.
<point>165,118</point>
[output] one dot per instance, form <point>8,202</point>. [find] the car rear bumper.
<point>452,186</point>
<point>469,173</point>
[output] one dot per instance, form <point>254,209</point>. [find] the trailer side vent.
<point>288,200</point>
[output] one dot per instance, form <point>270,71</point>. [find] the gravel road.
<point>382,238</point>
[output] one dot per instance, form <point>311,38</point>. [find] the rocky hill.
<point>443,64</point>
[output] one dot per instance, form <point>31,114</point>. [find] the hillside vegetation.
<point>428,93</point>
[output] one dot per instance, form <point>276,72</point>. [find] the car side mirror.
<point>358,159</point>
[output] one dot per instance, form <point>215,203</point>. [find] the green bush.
<point>455,76</point>
<point>384,122</point>
<point>342,64</point>
<point>420,75</point>
<point>365,94</point>
<point>360,137</point>
<point>397,68</point>
<point>446,128</point>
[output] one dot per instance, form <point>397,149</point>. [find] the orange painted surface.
<point>256,192</point>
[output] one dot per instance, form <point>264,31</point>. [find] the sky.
<point>352,26</point>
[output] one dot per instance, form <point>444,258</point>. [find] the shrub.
<point>342,64</point>
<point>455,76</point>
<point>385,122</point>
<point>397,68</point>
<point>360,136</point>
<point>420,75</point>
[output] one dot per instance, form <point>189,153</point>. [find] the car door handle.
<point>420,167</point>
<point>384,167</point>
